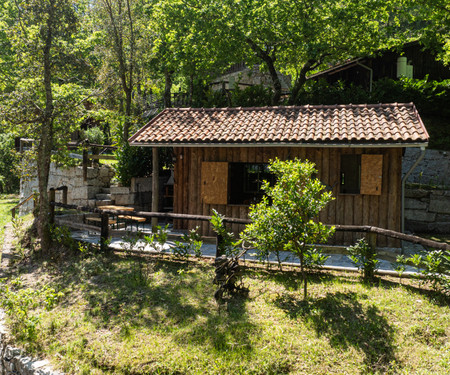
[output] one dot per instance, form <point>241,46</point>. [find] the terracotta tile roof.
<point>323,124</point>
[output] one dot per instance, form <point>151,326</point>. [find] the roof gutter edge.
<point>285,144</point>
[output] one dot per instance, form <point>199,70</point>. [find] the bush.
<point>132,162</point>
<point>285,218</point>
<point>94,135</point>
<point>433,267</point>
<point>364,257</point>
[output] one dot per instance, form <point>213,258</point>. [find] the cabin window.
<point>350,174</point>
<point>361,174</point>
<point>246,180</point>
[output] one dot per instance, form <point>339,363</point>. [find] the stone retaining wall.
<point>434,169</point>
<point>79,191</point>
<point>13,361</point>
<point>427,210</point>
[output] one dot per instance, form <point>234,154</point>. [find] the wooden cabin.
<point>411,61</point>
<point>221,157</point>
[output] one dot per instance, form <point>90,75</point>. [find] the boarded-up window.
<point>214,182</point>
<point>371,174</point>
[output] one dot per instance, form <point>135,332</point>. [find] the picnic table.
<point>127,219</point>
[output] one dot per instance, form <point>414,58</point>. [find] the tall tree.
<point>293,37</point>
<point>42,99</point>
<point>120,22</point>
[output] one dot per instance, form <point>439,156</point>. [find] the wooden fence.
<point>371,232</point>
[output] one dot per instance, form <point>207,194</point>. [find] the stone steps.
<point>103,196</point>
<point>104,202</point>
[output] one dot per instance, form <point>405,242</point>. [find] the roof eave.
<point>286,144</point>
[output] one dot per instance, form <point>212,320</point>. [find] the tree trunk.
<point>302,268</point>
<point>46,137</point>
<point>167,88</point>
<point>270,63</point>
<point>126,125</point>
<point>301,79</point>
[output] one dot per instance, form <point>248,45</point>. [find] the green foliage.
<point>94,135</point>
<point>132,162</point>
<point>433,268</point>
<point>364,257</point>
<point>286,217</point>
<point>158,238</point>
<point>227,245</point>
<point>19,304</point>
<point>61,235</point>
<point>191,243</point>
<point>9,179</point>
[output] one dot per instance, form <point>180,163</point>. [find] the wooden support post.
<point>104,232</point>
<point>51,199</point>
<point>64,194</point>
<point>155,186</point>
<point>13,212</point>
<point>85,163</point>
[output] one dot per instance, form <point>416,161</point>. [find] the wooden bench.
<point>99,220</point>
<point>132,219</point>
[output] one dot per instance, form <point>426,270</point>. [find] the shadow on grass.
<point>291,279</point>
<point>173,298</point>
<point>346,322</point>
<point>433,296</point>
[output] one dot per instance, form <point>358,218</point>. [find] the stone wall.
<point>13,361</point>
<point>427,210</point>
<point>434,169</point>
<point>139,194</point>
<point>79,191</point>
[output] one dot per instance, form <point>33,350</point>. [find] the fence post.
<point>85,163</point>
<point>104,232</point>
<point>219,240</point>
<point>51,199</point>
<point>64,194</point>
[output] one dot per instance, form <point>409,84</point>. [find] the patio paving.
<point>209,250</point>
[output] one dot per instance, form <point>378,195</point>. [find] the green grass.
<point>111,321</point>
<point>6,203</point>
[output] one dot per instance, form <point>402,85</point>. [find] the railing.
<point>32,195</point>
<point>104,229</point>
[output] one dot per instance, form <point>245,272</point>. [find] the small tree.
<point>284,219</point>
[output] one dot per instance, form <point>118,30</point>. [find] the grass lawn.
<point>7,202</point>
<point>127,315</point>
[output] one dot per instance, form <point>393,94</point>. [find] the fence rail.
<point>370,230</point>
<point>32,195</point>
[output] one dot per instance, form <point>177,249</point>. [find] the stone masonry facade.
<point>80,192</point>
<point>427,210</point>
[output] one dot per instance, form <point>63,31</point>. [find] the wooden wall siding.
<point>377,210</point>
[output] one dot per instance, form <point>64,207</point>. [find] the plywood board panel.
<point>371,174</point>
<point>214,182</point>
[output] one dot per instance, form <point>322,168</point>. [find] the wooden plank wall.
<point>382,210</point>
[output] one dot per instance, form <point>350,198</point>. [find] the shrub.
<point>226,242</point>
<point>94,135</point>
<point>285,218</point>
<point>191,243</point>
<point>364,257</point>
<point>433,267</point>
